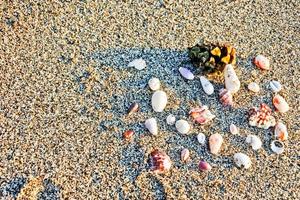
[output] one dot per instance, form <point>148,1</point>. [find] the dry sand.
<point>65,88</point>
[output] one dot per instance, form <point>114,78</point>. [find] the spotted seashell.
<point>262,62</point>
<point>186,73</point>
<point>275,86</point>
<point>254,141</point>
<point>226,97</point>
<point>202,115</point>
<point>242,160</point>
<point>280,104</point>
<point>262,117</point>
<point>160,162</point>
<point>280,131</point>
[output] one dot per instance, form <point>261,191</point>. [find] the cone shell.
<point>204,166</point>
<point>280,131</point>
<point>232,82</point>
<point>159,101</point>
<point>280,104</point>
<point>226,97</point>
<point>215,143</point>
<point>160,162</point>
<point>262,62</point>
<point>254,141</point>
<point>152,126</point>
<point>206,85</point>
<point>242,160</point>
<point>185,154</point>
<point>182,126</point>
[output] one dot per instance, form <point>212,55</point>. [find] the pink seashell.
<point>204,166</point>
<point>233,129</point>
<point>185,154</point>
<point>215,143</point>
<point>226,97</point>
<point>160,162</point>
<point>280,104</point>
<point>186,73</point>
<point>262,62</point>
<point>281,132</point>
<point>262,117</point>
<point>201,115</point>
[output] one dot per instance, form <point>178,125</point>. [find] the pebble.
<point>277,146</point>
<point>262,62</point>
<point>204,166</point>
<point>254,87</point>
<point>171,119</point>
<point>134,107</point>
<point>232,83</point>
<point>185,154</point>
<point>182,126</point>
<point>186,73</point>
<point>233,129</point>
<point>159,101</point>
<point>201,138</point>
<point>242,160</point>
<point>139,64</point>
<point>280,104</point>
<point>215,143</point>
<point>280,131</point>
<point>154,84</point>
<point>206,85</point>
<point>254,141</point>
<point>151,125</point>
<point>275,86</point>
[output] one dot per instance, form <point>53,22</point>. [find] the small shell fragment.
<point>215,143</point>
<point>233,129</point>
<point>171,119</point>
<point>185,154</point>
<point>262,62</point>
<point>154,84</point>
<point>204,166</point>
<point>280,131</point>
<point>202,115</point>
<point>206,85</point>
<point>128,134</point>
<point>159,101</point>
<point>201,138</point>
<point>134,107</point>
<point>242,160</point>
<point>277,146</point>
<point>275,86</point>
<point>186,73</point>
<point>160,162</point>
<point>254,87</point>
<point>152,126</point>
<point>254,141</point>
<point>139,64</point>
<point>280,104</point>
<point>226,97</point>
<point>182,126</point>
<point>232,83</point>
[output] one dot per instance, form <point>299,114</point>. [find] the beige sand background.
<point>48,126</point>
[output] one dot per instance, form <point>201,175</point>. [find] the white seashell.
<point>254,87</point>
<point>186,73</point>
<point>154,84</point>
<point>138,64</point>
<point>215,143</point>
<point>159,101</point>
<point>262,62</point>
<point>254,141</point>
<point>185,154</point>
<point>277,147</point>
<point>242,159</point>
<point>182,126</point>
<point>275,86</point>
<point>280,104</point>
<point>280,131</point>
<point>151,125</point>
<point>233,129</point>
<point>206,85</point>
<point>232,82</point>
<point>201,138</point>
<point>171,119</point>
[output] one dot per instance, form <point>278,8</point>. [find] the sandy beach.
<point>65,88</point>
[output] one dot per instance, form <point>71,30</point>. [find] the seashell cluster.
<point>202,115</point>
<point>232,83</point>
<point>128,134</point>
<point>277,146</point>
<point>262,62</point>
<point>204,166</point>
<point>226,97</point>
<point>280,131</point>
<point>186,73</point>
<point>215,143</point>
<point>242,160</point>
<point>139,64</point>
<point>254,141</point>
<point>275,86</point>
<point>160,162</point>
<point>233,129</point>
<point>134,107</point>
<point>182,126</point>
<point>151,125</point>
<point>280,104</point>
<point>159,101</point>
<point>254,87</point>
<point>201,138</point>
<point>262,117</point>
<point>154,84</point>
<point>171,119</point>
<point>206,85</point>
<point>185,154</point>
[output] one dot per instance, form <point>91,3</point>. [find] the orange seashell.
<point>262,62</point>
<point>280,104</point>
<point>215,143</point>
<point>280,131</point>
<point>128,134</point>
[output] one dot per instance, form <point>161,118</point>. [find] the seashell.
<point>280,104</point>
<point>134,107</point>
<point>128,134</point>
<point>262,117</point>
<point>160,162</point>
<point>215,143</point>
<point>139,64</point>
<point>182,126</point>
<point>201,115</point>
<point>152,126</point>
<point>186,73</point>
<point>277,146</point>
<point>254,141</point>
<point>232,83</point>
<point>242,159</point>
<point>201,138</point>
<point>233,129</point>
<point>154,84</point>
<point>159,101</point>
<point>206,85</point>
<point>262,62</point>
<point>254,87</point>
<point>171,119</point>
<point>275,86</point>
<point>185,154</point>
<point>280,131</point>
<point>204,166</point>
<point>226,97</point>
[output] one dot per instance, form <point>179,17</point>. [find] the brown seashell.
<point>160,162</point>
<point>215,143</point>
<point>128,134</point>
<point>134,107</point>
<point>226,97</point>
<point>185,154</point>
<point>204,166</point>
<point>262,117</point>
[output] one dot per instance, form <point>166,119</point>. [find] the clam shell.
<point>277,146</point>
<point>275,86</point>
<point>171,119</point>
<point>139,64</point>
<point>159,101</point>
<point>232,82</point>
<point>151,125</point>
<point>280,131</point>
<point>186,73</point>
<point>201,138</point>
<point>215,143</point>
<point>182,126</point>
<point>242,160</point>
<point>154,84</point>
<point>280,104</point>
<point>185,154</point>
<point>254,87</point>
<point>262,62</point>
<point>254,141</point>
<point>160,162</point>
<point>206,85</point>
<point>233,129</point>
<point>204,166</point>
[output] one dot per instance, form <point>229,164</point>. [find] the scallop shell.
<point>280,104</point>
<point>280,131</point>
<point>185,154</point>
<point>254,87</point>
<point>204,166</point>
<point>171,119</point>
<point>242,160</point>
<point>160,162</point>
<point>151,125</point>
<point>226,97</point>
<point>186,73</point>
<point>159,101</point>
<point>201,138</point>
<point>232,82</point>
<point>262,62</point>
<point>233,129</point>
<point>275,86</point>
<point>139,64</point>
<point>134,107</point>
<point>277,146</point>
<point>261,118</point>
<point>254,141</point>
<point>202,115</point>
<point>154,84</point>
<point>182,126</point>
<point>206,85</point>
<point>215,143</point>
